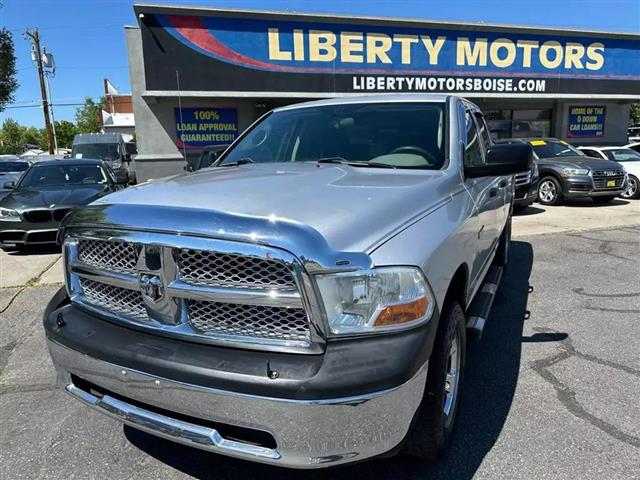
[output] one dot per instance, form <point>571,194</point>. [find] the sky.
<point>87,36</point>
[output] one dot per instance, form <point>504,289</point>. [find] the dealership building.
<point>200,76</point>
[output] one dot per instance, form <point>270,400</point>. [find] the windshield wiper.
<point>242,161</point>
<point>354,163</point>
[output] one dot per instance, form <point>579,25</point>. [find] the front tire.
<point>633,188</point>
<point>435,421</point>
<point>549,191</point>
<point>603,200</point>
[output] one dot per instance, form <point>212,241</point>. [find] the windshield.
<point>63,175</point>
<point>99,151</point>
<point>6,167</point>
<point>396,135</point>
<point>548,149</point>
<point>622,155</point>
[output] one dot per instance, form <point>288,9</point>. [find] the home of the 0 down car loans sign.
<point>302,56</point>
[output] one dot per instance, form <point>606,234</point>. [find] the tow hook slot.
<point>272,374</point>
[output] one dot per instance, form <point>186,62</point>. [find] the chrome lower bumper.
<point>308,433</point>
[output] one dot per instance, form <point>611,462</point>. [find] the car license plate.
<point>611,183</point>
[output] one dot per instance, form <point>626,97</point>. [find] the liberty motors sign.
<point>296,55</point>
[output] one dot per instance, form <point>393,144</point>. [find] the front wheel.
<point>632,191</point>
<point>549,191</point>
<point>433,427</point>
<point>602,200</point>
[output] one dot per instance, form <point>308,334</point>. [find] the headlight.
<point>575,171</point>
<point>8,215</point>
<point>534,170</point>
<point>375,300</point>
<point>115,164</point>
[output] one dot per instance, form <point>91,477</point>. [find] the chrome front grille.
<point>208,290</point>
<point>608,179</point>
<point>114,256</point>
<point>523,178</point>
<point>215,268</point>
<point>214,318</point>
<point>121,301</point>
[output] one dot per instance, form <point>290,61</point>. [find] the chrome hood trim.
<point>302,241</point>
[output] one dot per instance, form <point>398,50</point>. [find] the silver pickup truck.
<point>306,301</point>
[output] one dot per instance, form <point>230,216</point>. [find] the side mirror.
<point>503,159</point>
<point>122,180</point>
<point>9,185</point>
<point>127,157</point>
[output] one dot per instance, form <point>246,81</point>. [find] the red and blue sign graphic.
<point>276,45</point>
<point>202,127</point>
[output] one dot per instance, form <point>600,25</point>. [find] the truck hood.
<point>352,207</point>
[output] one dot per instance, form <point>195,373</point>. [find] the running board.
<point>478,311</point>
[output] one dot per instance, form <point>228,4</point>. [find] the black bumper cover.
<point>349,366</point>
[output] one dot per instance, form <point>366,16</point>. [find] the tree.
<point>88,115</point>
<point>8,82</point>
<point>634,118</point>
<point>15,138</point>
<point>65,131</point>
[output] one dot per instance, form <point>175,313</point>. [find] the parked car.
<point>526,185</point>
<point>311,309</point>
<point>32,211</point>
<point>116,149</point>
<point>635,146</point>
<point>628,158</point>
<point>566,172</point>
<point>11,168</point>
<point>204,158</point>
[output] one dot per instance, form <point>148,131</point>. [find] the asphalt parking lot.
<point>551,391</point>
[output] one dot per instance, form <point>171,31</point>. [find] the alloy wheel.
<point>547,191</point>
<point>632,188</point>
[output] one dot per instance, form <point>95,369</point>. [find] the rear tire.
<point>603,200</point>
<point>435,421</point>
<point>549,191</point>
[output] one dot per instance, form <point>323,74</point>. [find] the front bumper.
<point>582,186</point>
<point>355,401</point>
<point>307,433</point>
<point>23,233</point>
<point>525,195</point>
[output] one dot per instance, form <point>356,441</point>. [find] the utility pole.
<point>35,39</point>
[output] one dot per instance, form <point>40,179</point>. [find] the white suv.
<point>630,160</point>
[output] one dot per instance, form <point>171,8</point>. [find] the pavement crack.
<point>625,242</point>
<point>580,291</point>
<point>612,310</point>
<point>567,396</point>
<point>6,307</point>
<point>43,387</point>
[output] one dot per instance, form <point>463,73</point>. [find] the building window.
<point>519,123</point>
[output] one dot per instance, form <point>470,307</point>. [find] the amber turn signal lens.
<point>403,313</point>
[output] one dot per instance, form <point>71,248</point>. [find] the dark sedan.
<point>10,171</point>
<point>31,213</point>
<point>565,172</point>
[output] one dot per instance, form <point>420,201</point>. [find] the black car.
<point>11,168</point>
<point>31,213</point>
<point>565,172</point>
<point>204,158</point>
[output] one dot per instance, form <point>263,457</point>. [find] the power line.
<point>40,106</point>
